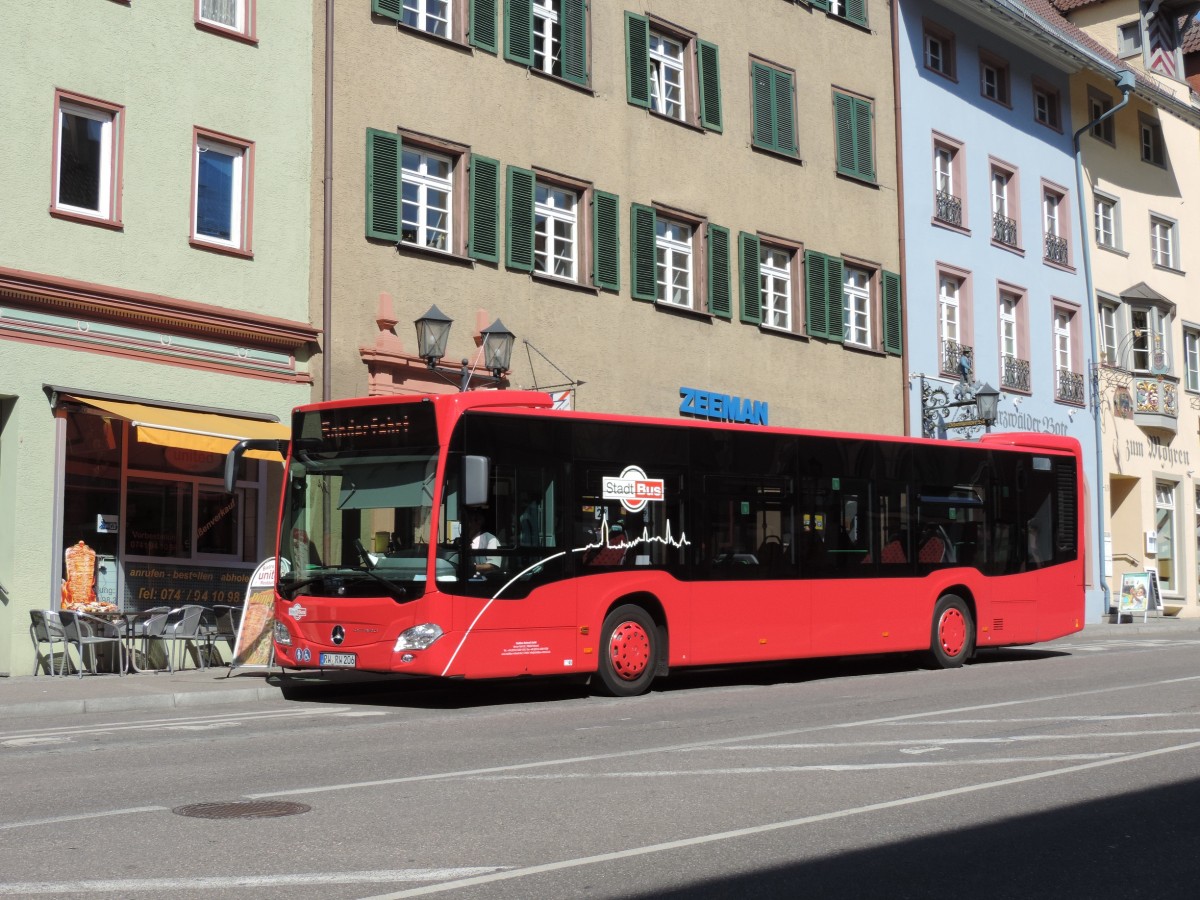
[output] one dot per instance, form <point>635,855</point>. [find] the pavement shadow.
<point>407,692</point>
<point>1137,844</point>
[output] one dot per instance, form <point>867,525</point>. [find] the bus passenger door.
<point>748,604</point>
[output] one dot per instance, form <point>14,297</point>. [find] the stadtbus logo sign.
<point>632,488</point>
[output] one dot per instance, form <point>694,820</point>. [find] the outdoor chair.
<point>141,634</point>
<point>45,627</point>
<point>219,624</point>
<point>181,629</point>
<point>87,633</point>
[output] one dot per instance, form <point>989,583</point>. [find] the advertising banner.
<point>253,646</point>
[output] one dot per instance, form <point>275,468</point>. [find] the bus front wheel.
<point>953,639</point>
<point>629,654</point>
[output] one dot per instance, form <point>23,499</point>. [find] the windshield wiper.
<point>369,567</point>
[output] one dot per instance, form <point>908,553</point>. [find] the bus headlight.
<point>282,635</point>
<point>419,637</point>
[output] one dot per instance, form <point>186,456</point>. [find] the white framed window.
<point>233,17</point>
<point>1191,359</point>
<point>674,262</point>
<point>427,191</point>
<point>221,176</point>
<point>1151,327</point>
<point>433,16</point>
<point>556,231</point>
<point>1098,104</point>
<point>1009,344</point>
<point>547,36</point>
<point>1055,234</point>
<point>939,50</point>
<point>943,169</point>
<point>1046,105</point>
<point>1163,242</point>
<point>1105,222</point>
<point>1164,527</point>
<point>87,158</point>
<point>1153,148</point>
<point>993,78</point>
<point>856,306</point>
<point>667,85</point>
<point>1063,361</point>
<point>1006,224</point>
<point>1108,334</point>
<point>948,308</point>
<point>775,269</point>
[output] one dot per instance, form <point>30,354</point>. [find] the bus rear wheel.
<point>629,653</point>
<point>952,641</point>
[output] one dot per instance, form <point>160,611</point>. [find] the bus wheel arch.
<point>632,649</point>
<point>952,633</point>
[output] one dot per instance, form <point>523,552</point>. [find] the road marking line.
<point>926,740</point>
<point>182,720</point>
<point>734,834</point>
<point>81,816</point>
<point>718,742</point>
<point>225,882</point>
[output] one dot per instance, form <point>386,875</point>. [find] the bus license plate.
<point>341,660</point>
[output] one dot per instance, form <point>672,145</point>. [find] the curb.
<point>182,700</point>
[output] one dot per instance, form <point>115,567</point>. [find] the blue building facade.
<point>993,260</point>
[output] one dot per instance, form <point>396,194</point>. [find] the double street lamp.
<point>433,332</point>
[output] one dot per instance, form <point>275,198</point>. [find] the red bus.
<point>488,535</point>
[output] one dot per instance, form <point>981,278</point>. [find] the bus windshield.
<point>358,504</point>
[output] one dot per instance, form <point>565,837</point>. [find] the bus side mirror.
<point>475,480</point>
<point>234,456</point>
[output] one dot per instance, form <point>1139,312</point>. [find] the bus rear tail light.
<point>419,637</point>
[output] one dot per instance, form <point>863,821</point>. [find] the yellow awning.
<point>209,432</point>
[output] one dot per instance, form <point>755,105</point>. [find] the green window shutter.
<point>483,25</point>
<point>574,41</point>
<point>383,185</point>
<point>708,67</point>
<point>748,253</point>
<point>835,293</point>
<point>784,112</point>
<point>389,8</point>
<point>720,290</point>
<point>606,240</point>
<point>843,116</point>
<point>764,109</point>
<point>863,153</point>
<point>637,59</point>
<point>855,11</point>
<point>819,4</point>
<point>816,310</point>
<point>893,323</point>
<point>643,224</point>
<point>518,31</point>
<point>484,203</point>
<point>519,223</point>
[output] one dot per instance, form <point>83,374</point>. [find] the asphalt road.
<point>1068,770</point>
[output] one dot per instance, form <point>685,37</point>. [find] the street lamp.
<point>969,408</point>
<point>433,333</point>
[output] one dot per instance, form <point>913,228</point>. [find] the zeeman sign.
<point>721,407</point>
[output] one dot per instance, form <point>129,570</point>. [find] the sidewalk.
<point>26,695</point>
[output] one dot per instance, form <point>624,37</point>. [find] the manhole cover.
<point>242,809</point>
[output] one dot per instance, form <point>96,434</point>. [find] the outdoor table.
<point>125,621</point>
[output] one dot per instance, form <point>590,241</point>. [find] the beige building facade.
<point>1143,185</point>
<point>684,195</point>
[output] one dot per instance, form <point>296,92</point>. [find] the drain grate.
<point>242,809</point>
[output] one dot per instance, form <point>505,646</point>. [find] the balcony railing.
<point>948,208</point>
<point>1004,229</point>
<point>1056,249</point>
<point>1069,387</point>
<point>1015,376</point>
<point>955,355</point>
